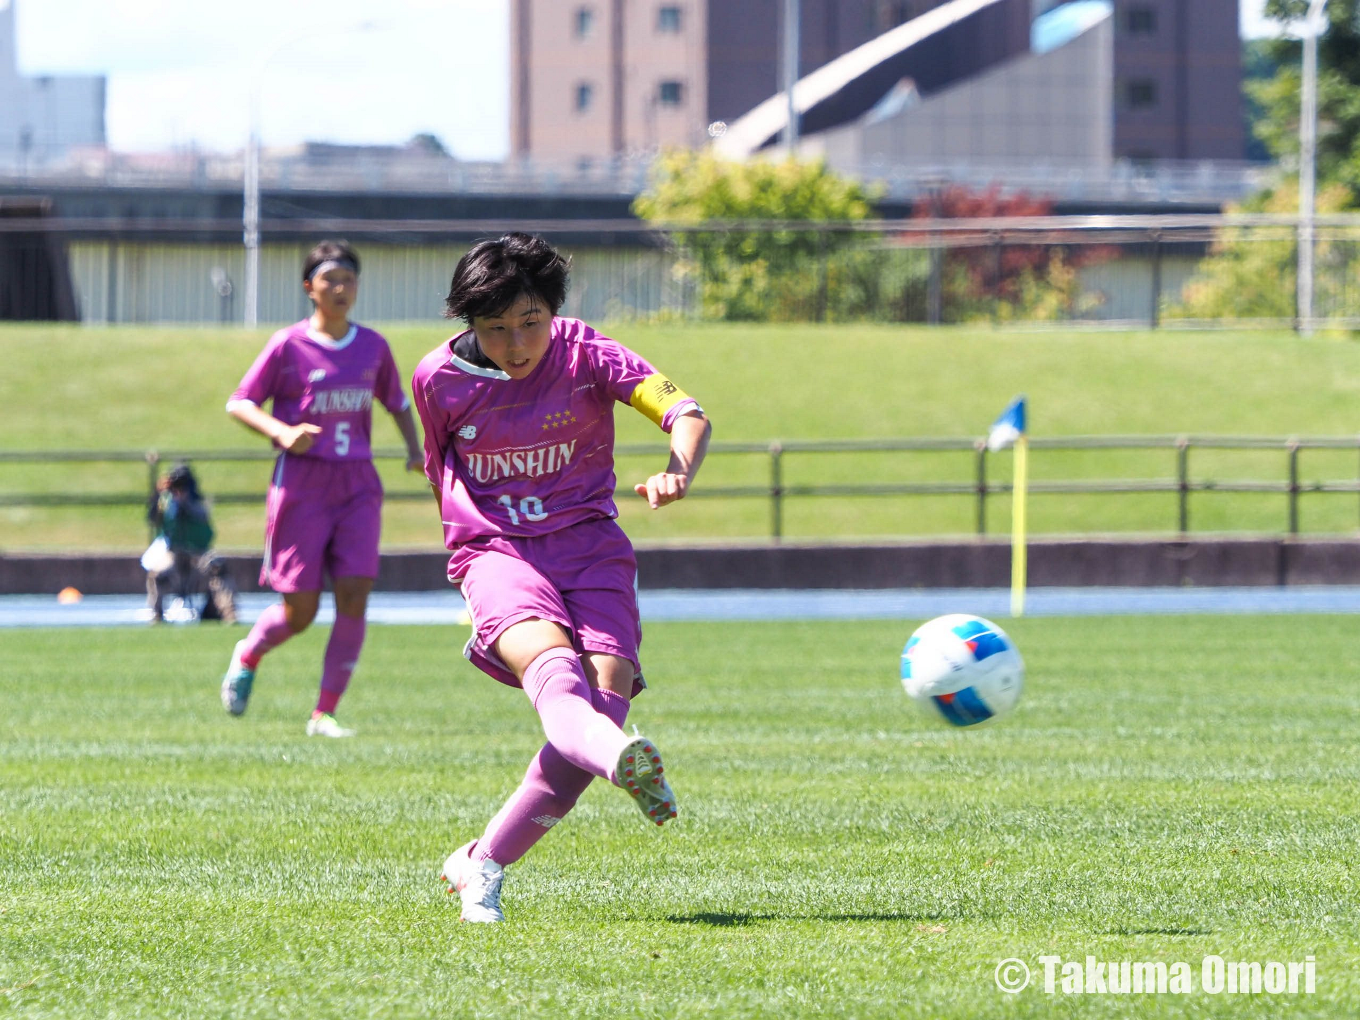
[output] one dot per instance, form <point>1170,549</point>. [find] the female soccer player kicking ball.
<point>518,414</point>
<point>324,510</point>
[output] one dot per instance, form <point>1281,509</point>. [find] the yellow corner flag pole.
<point>1019,492</point>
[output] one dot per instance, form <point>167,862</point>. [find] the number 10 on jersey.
<point>531,507</point>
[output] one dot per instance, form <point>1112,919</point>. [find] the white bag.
<point>158,558</point>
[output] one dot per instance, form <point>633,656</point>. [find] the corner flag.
<point>1009,430</point>
<point>1009,427</point>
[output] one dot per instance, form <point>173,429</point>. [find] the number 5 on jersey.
<point>342,439</point>
<point>530,506</point>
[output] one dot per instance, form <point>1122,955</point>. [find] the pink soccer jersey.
<point>526,457</point>
<point>330,383</point>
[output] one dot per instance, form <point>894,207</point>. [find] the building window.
<point>668,18</point>
<point>1142,94</point>
<point>585,21</point>
<point>671,93</point>
<point>1141,21</point>
<point>585,95</point>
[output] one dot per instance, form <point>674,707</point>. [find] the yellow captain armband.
<point>656,395</point>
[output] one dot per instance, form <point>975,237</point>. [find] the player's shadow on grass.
<point>716,920</point>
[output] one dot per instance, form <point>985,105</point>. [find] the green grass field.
<point>1168,788</point>
<point>162,388</point>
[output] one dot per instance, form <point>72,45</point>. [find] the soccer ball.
<point>963,668</point>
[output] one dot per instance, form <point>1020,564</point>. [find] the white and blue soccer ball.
<point>963,669</point>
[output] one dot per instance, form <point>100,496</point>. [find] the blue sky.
<point>180,70</point>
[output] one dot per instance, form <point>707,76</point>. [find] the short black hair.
<point>493,274</point>
<point>326,251</point>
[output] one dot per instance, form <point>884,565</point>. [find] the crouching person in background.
<point>180,560</point>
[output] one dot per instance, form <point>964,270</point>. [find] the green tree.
<point>1252,278</point>
<point>427,143</point>
<point>749,272</point>
<point>1259,65</point>
<point>1338,145</point>
<point>1249,278</point>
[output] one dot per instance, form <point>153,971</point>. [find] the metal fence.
<point>386,171</point>
<point>1112,271</point>
<point>985,478</point>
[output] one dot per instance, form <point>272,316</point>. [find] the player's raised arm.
<point>631,379</point>
<point>690,433</point>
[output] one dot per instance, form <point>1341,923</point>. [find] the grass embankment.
<point>163,388</point>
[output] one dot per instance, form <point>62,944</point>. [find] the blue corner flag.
<point>1009,430</point>
<point>1009,427</point>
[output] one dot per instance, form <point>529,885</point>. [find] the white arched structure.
<point>756,129</point>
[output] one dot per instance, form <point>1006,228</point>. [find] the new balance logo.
<point>547,821</point>
<point>467,432</point>
<point>317,375</point>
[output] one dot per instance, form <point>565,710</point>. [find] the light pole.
<point>792,17</point>
<point>250,206</point>
<point>1313,26</point>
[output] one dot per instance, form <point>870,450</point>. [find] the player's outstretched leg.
<point>590,738</point>
<point>641,773</point>
<point>478,884</point>
<point>550,788</point>
<point>649,788</point>
<point>557,687</point>
<point>270,629</point>
<point>237,684</point>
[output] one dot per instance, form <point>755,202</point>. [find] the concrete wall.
<point>1196,562</point>
<point>167,282</point>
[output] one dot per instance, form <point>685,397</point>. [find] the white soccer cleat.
<point>323,724</point>
<point>640,772</point>
<point>478,883</point>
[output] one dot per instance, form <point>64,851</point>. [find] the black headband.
<point>327,265</point>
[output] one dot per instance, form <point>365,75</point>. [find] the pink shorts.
<point>583,578</point>
<point>322,517</point>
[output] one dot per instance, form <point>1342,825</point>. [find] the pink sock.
<point>557,687</point>
<point>342,655</point>
<point>550,789</point>
<point>270,631</point>
<point>613,705</point>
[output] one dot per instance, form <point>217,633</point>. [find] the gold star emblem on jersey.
<point>556,421</point>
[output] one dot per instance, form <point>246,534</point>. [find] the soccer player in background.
<point>324,509</point>
<point>518,414</point>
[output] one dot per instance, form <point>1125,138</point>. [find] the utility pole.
<point>792,16</point>
<point>250,179</point>
<point>1314,25</point>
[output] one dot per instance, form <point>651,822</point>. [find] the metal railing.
<point>1108,271</point>
<point>1179,482</point>
<point>395,171</point>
